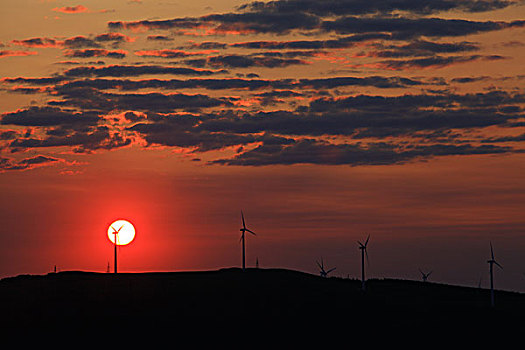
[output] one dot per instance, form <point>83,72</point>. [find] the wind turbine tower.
<point>424,276</point>
<point>364,252</point>
<point>115,232</point>
<point>243,230</point>
<point>491,263</point>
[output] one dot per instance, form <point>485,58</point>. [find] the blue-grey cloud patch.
<point>87,53</point>
<point>243,61</point>
<point>130,71</point>
<point>365,7</point>
<point>403,28</point>
<point>238,83</point>
<point>81,141</point>
<point>324,153</point>
<point>7,164</point>
<point>49,116</point>
<point>436,61</point>
<point>342,17</point>
<point>102,102</point>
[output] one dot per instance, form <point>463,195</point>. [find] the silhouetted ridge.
<point>257,298</point>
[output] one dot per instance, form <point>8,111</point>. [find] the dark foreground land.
<point>260,301</point>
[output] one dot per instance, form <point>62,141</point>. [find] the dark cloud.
<point>407,28</point>
<point>261,22</point>
<point>342,17</point>
<point>376,81</point>
<point>134,116</point>
<point>463,80</point>
<point>82,142</point>
<point>92,99</point>
<point>200,142</point>
<point>451,102</point>
<point>320,152</point>
<point>243,23</point>
<point>276,96</point>
<point>518,138</point>
<point>157,24</point>
<point>33,81</point>
<point>376,116</point>
<point>27,163</point>
<point>86,53</point>
<point>8,135</point>
<point>210,84</point>
<point>179,131</point>
<point>80,42</point>
<point>112,37</point>
<point>159,38</point>
<point>344,42</point>
<point>124,70</point>
<point>364,7</point>
<point>208,45</point>
<point>167,53</point>
<point>49,116</point>
<point>250,84</point>
<point>37,42</point>
<point>241,61</point>
<point>435,61</point>
<point>288,54</point>
<point>279,94</point>
<point>28,90</point>
<point>423,48</point>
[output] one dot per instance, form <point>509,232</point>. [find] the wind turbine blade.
<point>495,262</point>
<point>331,270</point>
<point>319,265</point>
<point>242,236</point>
<point>421,272</point>
<point>361,244</point>
<point>243,223</point>
<point>491,251</point>
<point>120,228</point>
<point>367,238</point>
<point>366,254</point>
<point>253,233</point>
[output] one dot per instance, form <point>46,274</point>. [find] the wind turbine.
<point>243,230</point>
<point>491,263</point>
<point>424,276</point>
<point>322,271</point>
<point>115,232</point>
<point>363,253</point>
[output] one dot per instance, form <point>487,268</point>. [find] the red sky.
<point>321,126</point>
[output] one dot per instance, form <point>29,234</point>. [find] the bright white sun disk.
<point>125,232</point>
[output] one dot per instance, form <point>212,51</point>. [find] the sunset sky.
<point>323,120</point>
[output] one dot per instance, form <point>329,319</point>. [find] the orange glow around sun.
<point>123,230</point>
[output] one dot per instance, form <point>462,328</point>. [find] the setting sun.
<point>123,230</point>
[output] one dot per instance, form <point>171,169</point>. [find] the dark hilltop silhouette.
<point>262,301</point>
